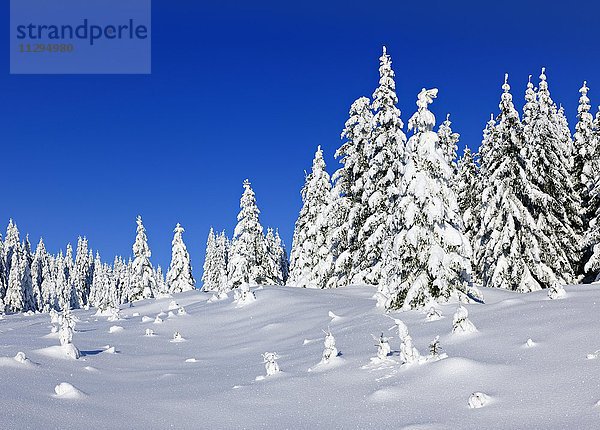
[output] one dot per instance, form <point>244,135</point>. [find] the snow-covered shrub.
<point>478,400</point>
<point>461,322</point>
<point>158,320</point>
<point>149,332</point>
<point>173,305</point>
<point>181,311</point>
<point>243,296</point>
<point>330,350</point>
<point>556,291</point>
<point>177,337</point>
<point>433,314</point>
<point>21,357</point>
<point>408,353</point>
<point>67,324</point>
<point>270,360</point>
<point>435,347</point>
<point>383,346</point>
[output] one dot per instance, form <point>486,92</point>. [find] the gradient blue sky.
<point>248,90</point>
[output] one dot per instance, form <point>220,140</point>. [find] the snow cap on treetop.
<point>506,87</point>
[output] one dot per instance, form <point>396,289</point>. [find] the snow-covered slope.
<point>150,382</point>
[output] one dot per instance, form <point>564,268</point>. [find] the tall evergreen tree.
<point>449,142</point>
<point>428,258</point>
<point>11,243</point>
<point>557,210</point>
<point>247,257</point>
<point>284,264</point>
<point>83,273</point>
<point>466,192</point>
<point>507,245</point>
<point>179,276</point>
<point>210,273</point>
<point>3,275</point>
<point>143,282</point>
<point>591,242</point>
<point>385,155</point>
<point>41,273</point>
<point>349,211</point>
<point>274,274</point>
<point>311,259</point>
<point>13,301</point>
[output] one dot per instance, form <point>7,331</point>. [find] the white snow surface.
<point>152,383</point>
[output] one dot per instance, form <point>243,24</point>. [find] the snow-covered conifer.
<point>40,269</point>
<point>248,251</point>
<point>270,360</point>
<point>11,244</point>
<point>429,256</point>
<point>557,210</point>
<point>381,186</point>
<point>311,259</point>
<point>143,282</point>
<point>448,142</point>
<point>67,323</point>
<point>506,244</point>
<point>461,322</point>
<point>349,211</point>
<point>161,283</point>
<point>383,346</point>
<point>13,300</point>
<point>82,276</point>
<point>95,295</point>
<point>284,263</point>
<point>274,275</point>
<point>210,273</point>
<point>179,276</point>
<point>466,192</point>
<point>330,351</point>
<point>3,275</point>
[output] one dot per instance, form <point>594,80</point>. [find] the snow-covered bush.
<point>181,311</point>
<point>177,337</point>
<point>270,360</point>
<point>556,291</point>
<point>149,332</point>
<point>243,296</point>
<point>461,322</point>
<point>433,314</point>
<point>383,346</point>
<point>435,347</point>
<point>330,350</point>
<point>67,324</point>
<point>478,400</point>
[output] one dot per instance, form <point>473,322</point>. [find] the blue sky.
<point>248,90</point>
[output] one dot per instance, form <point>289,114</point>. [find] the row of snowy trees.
<point>40,281</point>
<point>405,216</point>
<point>250,258</point>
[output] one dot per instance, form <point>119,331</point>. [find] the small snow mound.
<point>177,337</point>
<point>135,314</point>
<point>171,314</point>
<point>217,297</point>
<point>64,390</point>
<point>149,332</point>
<point>191,360</point>
<point>243,296</point>
<point>461,322</point>
<point>333,316</point>
<point>21,357</point>
<point>146,319</point>
<point>181,311</point>
<point>110,350</point>
<point>90,369</point>
<point>530,343</point>
<point>478,400</point>
<point>158,320</point>
<point>115,329</point>
<point>71,351</point>
<point>173,305</point>
<point>593,355</point>
<point>598,404</point>
<point>556,292</point>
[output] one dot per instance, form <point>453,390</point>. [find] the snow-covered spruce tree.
<point>97,283</point>
<point>507,244</point>
<point>82,276</point>
<point>284,263</point>
<point>211,273</point>
<point>161,282</point>
<point>179,276</point>
<point>385,154</point>
<point>13,300</point>
<point>274,275</point>
<point>583,142</point>
<point>448,142</point>
<point>222,251</point>
<point>70,277</point>
<point>591,241</point>
<point>310,259</point>
<point>143,282</point>
<point>547,153</point>
<point>349,211</point>
<point>41,276</point>
<point>248,251</point>
<point>12,242</point>
<point>3,275</point>
<point>466,192</point>
<point>64,289</point>
<point>429,256</point>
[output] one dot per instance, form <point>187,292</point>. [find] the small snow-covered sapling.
<point>67,323</point>
<point>181,311</point>
<point>243,295</point>
<point>435,347</point>
<point>177,337</point>
<point>556,291</point>
<point>433,314</point>
<point>461,322</point>
<point>149,332</point>
<point>408,353</point>
<point>270,360</point>
<point>383,346</point>
<point>330,350</point>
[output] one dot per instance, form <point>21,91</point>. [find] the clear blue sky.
<point>248,90</point>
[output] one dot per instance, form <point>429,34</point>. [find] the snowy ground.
<point>151,383</point>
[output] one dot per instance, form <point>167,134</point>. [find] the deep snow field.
<point>150,382</point>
